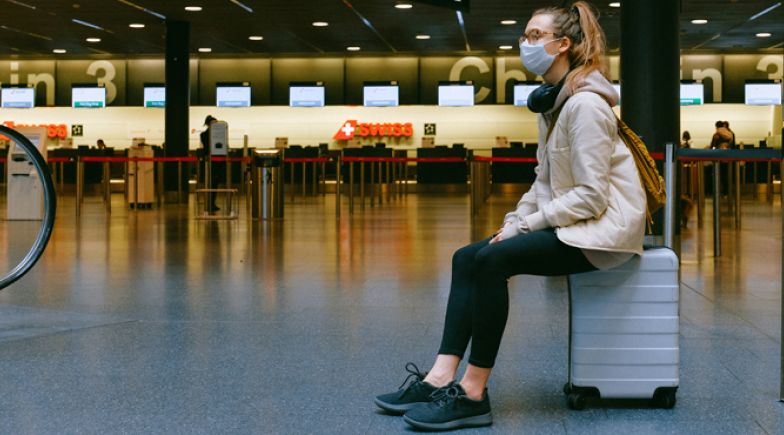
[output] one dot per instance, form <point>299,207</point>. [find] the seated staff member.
<point>585,210</point>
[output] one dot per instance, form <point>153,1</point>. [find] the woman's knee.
<point>489,264</point>
<point>464,256</point>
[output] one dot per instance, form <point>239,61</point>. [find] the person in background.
<point>686,139</point>
<point>732,145</point>
<point>584,211</point>
<point>100,144</point>
<point>721,137</point>
<point>217,168</point>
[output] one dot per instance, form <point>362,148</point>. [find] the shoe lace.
<point>445,396</point>
<point>414,375</point>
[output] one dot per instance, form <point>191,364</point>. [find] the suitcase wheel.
<point>576,401</point>
<point>664,397</point>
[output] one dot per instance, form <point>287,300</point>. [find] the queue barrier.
<point>104,160</point>
<point>320,162</point>
<point>396,176</point>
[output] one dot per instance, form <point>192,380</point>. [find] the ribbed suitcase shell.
<point>624,327</point>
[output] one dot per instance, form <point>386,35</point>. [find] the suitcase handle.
<point>669,188</point>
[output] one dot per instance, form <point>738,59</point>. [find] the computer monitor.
<point>456,94</point>
<point>762,93</point>
<point>17,97</point>
<point>232,94</point>
<point>88,96</point>
<point>307,94</point>
<point>522,90</point>
<point>154,95</point>
<point>381,94</point>
<point>692,93</point>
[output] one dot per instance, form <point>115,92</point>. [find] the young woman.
<point>585,211</point>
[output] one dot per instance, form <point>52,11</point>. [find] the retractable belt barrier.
<point>105,160</point>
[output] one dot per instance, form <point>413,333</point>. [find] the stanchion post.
<point>79,185</point>
<point>472,178</point>
<point>337,190</point>
<point>304,178</point>
<point>700,192</point>
<point>179,181</point>
<point>350,187</point>
<point>136,184</point>
<point>160,183</point>
<point>362,184</point>
<point>107,193</point>
<point>737,194</point>
<point>372,184</point>
<point>207,184</point>
<point>716,209</point>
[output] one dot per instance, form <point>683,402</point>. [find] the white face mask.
<point>535,58</point>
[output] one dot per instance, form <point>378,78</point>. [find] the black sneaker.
<point>449,409</point>
<point>417,392</point>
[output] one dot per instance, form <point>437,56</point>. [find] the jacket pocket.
<point>560,166</point>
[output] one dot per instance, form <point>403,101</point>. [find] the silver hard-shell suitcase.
<point>624,331</point>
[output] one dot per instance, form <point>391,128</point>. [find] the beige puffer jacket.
<point>587,186</point>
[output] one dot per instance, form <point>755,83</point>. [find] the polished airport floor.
<point>154,322</point>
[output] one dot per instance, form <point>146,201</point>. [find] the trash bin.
<point>267,190</point>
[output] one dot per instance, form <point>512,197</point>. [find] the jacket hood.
<point>593,82</point>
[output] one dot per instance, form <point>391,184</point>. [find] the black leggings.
<point>479,298</point>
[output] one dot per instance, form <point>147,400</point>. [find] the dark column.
<point>177,102</point>
<point>650,75</point>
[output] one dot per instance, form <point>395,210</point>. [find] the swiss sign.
<point>351,129</point>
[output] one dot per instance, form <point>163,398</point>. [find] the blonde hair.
<point>580,24</point>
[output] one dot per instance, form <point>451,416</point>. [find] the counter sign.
<point>351,129</point>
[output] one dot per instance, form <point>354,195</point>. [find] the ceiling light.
<point>136,25</point>
<point>320,24</point>
<point>193,8</point>
<point>205,50</point>
<point>422,36</point>
<point>509,22</point>
<point>404,6</point>
<point>353,48</point>
<point>763,35</point>
<point>59,51</point>
<point>505,47</point>
<point>699,21</point>
<point>255,38</point>
<point>93,39</point>
<point>615,4</point>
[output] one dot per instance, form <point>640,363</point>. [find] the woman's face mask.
<point>535,58</point>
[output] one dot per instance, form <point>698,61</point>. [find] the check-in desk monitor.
<point>762,93</point>
<point>522,91</point>
<point>232,94</point>
<point>154,95</point>
<point>381,94</point>
<point>692,94</point>
<point>17,97</point>
<point>25,191</point>
<point>307,94</point>
<point>89,96</point>
<point>456,94</point>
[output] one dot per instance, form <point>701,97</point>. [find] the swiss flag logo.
<point>346,132</point>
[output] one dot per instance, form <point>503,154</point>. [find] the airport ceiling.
<point>34,28</point>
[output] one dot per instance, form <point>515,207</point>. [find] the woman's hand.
<point>504,232</point>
